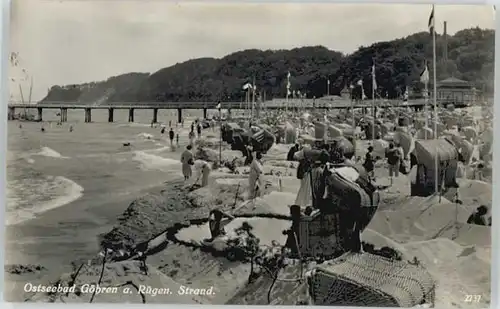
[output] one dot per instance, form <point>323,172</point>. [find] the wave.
<point>153,162</point>
<point>23,197</point>
<point>49,152</point>
<point>146,136</point>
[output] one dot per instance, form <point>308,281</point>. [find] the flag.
<point>424,76</point>
<point>405,95</point>
<point>374,81</point>
<point>218,106</point>
<point>288,92</point>
<point>360,82</point>
<point>351,86</point>
<point>431,21</point>
<point>247,86</point>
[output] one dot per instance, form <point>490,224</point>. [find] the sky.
<point>70,42</point>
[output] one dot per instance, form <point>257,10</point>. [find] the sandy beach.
<point>414,226</point>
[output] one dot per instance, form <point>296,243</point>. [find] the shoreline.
<point>160,208</point>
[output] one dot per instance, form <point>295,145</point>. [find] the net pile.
<point>370,280</point>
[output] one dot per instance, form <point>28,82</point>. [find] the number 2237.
<point>472,298</point>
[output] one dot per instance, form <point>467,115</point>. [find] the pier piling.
<point>88,115</point>
<point>155,115</point>
<point>131,115</point>
<point>204,113</point>
<point>12,113</point>
<point>40,114</point>
<point>179,115</point>
<point>111,112</point>
<point>64,114</point>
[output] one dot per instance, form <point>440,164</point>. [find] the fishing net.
<point>370,280</point>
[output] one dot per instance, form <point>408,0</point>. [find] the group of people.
<point>188,162</point>
<point>394,155</point>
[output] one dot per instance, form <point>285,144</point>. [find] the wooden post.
<point>155,115</point>
<point>111,112</point>
<point>179,115</point>
<point>204,113</point>
<point>40,114</point>
<point>131,115</point>
<point>12,113</point>
<point>88,115</point>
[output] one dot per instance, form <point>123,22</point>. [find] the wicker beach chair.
<point>370,280</point>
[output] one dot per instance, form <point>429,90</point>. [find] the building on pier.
<point>456,91</point>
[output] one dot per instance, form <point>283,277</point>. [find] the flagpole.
<point>373,103</point>
<point>253,97</point>
<point>426,110</point>
<point>436,163</point>
<point>353,121</point>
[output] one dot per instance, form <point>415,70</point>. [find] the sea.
<point>64,188</point>
<point>67,188</point>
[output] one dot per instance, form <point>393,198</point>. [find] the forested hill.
<point>398,64</point>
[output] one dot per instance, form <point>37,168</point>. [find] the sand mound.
<point>421,219</point>
<point>119,273</point>
<point>473,193</point>
<point>224,192</point>
<point>148,216</point>
<point>459,271</point>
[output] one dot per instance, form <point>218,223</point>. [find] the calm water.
<point>65,188</point>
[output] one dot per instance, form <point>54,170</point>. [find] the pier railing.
<point>274,104</point>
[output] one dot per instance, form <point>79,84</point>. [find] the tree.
<point>398,64</point>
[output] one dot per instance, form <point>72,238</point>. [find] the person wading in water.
<point>199,130</point>
<point>171,135</point>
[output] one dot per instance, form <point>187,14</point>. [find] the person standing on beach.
<point>191,137</point>
<point>198,128</point>
<point>187,162</point>
<point>255,176</point>
<point>171,136</point>
<point>170,123</point>
<point>177,139</point>
<point>205,172</point>
<point>393,159</point>
<point>369,163</point>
